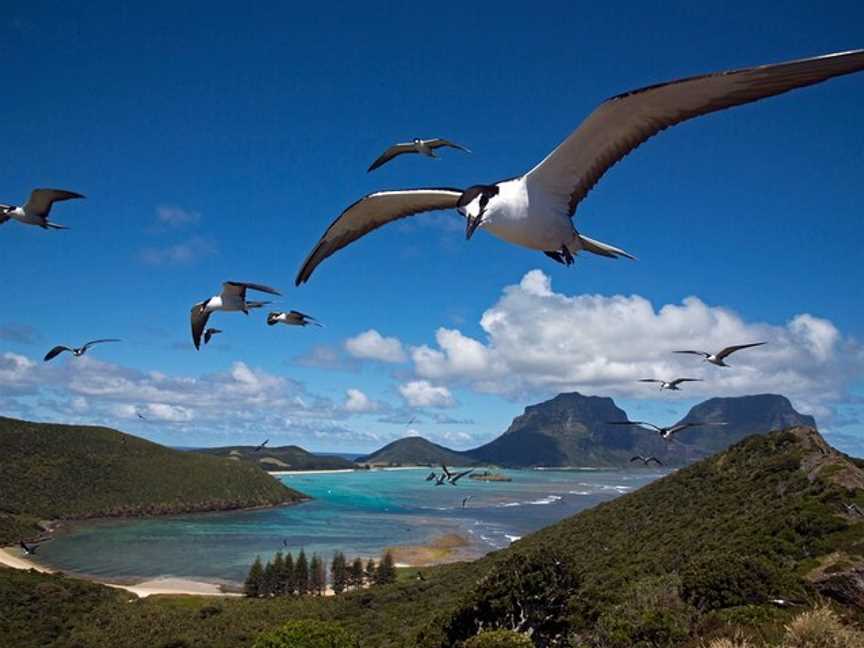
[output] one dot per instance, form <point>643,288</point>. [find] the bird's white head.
<point>474,205</point>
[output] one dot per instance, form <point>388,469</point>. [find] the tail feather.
<point>55,226</point>
<point>256,304</point>
<point>603,249</point>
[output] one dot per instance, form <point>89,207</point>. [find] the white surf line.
<point>280,473</point>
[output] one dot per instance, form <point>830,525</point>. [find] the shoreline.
<point>57,527</point>
<point>448,548</point>
<point>141,589</point>
<point>280,473</point>
<point>283,473</point>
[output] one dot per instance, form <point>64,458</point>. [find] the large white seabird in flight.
<point>535,210</point>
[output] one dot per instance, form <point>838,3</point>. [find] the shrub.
<point>499,639</point>
<point>730,643</point>
<point>209,611</point>
<point>307,633</point>
<point>651,615</point>
<point>820,628</point>
<point>724,580</point>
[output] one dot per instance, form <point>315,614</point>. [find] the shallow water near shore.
<point>359,513</point>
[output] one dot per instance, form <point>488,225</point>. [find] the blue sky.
<point>217,144</point>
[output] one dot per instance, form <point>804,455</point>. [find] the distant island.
<point>414,451</point>
<point>749,542</point>
<point>51,472</point>
<point>572,430</point>
<point>277,458</point>
<point>487,475</point>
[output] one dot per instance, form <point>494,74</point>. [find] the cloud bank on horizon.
<point>536,343</point>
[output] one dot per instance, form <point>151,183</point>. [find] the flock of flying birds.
<point>666,432</point>
<point>447,477</point>
<point>534,210</point>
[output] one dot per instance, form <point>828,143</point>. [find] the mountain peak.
<point>415,450</point>
<point>743,415</point>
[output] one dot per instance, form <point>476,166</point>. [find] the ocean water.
<point>359,513</point>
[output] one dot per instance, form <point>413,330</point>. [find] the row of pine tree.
<point>285,576</point>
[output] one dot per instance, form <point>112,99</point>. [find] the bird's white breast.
<point>527,217</point>
<point>214,304</point>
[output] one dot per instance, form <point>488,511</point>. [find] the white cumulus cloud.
<point>538,341</point>
<point>421,393</point>
<point>371,345</point>
<point>358,402</point>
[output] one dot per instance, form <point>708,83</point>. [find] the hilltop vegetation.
<point>57,472</point>
<point>703,548</point>
<point>279,458</point>
<point>694,557</point>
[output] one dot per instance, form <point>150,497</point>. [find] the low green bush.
<point>499,639</point>
<point>307,633</point>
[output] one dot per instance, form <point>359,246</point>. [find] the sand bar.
<point>170,585</point>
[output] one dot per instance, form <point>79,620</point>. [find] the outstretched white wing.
<point>198,318</point>
<point>678,381</point>
<point>371,212</point>
<point>725,353</point>
<point>239,288</point>
<point>622,123</point>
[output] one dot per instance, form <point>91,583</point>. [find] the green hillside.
<point>50,471</point>
<point>688,555</point>
<point>279,458</point>
<point>416,451</point>
<point>694,556</point>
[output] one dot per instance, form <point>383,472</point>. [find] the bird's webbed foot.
<point>564,257</point>
<point>555,256</point>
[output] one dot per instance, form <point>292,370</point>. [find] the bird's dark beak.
<point>471,225</point>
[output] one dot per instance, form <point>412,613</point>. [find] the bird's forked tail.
<point>603,249</point>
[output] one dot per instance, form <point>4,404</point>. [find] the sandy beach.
<point>167,585</point>
<point>279,473</point>
<point>19,562</point>
<point>310,472</point>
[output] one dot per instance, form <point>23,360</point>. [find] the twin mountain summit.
<point>574,430</point>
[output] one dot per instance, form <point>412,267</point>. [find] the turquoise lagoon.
<point>359,513</point>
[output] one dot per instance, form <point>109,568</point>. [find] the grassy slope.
<point>279,458</point>
<point>694,554</point>
<point>733,530</point>
<point>52,471</point>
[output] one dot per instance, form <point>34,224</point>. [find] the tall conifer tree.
<point>356,574</point>
<point>339,572</point>
<point>287,580</point>
<point>301,574</point>
<point>255,579</point>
